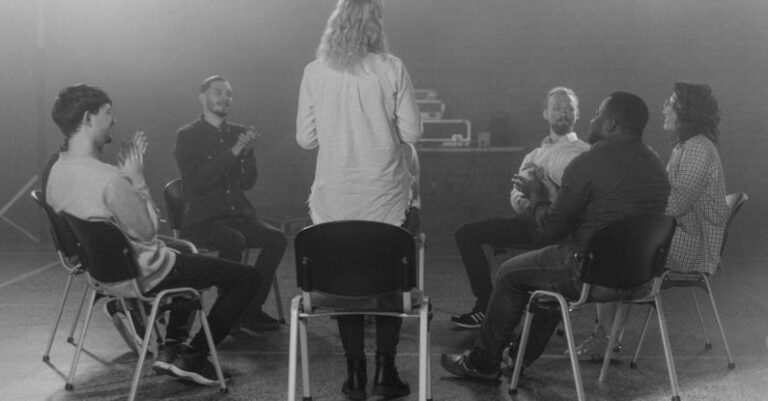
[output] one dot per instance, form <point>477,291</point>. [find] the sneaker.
<point>459,365</point>
<point>593,348</point>
<point>166,355</point>
<point>472,320</point>
<point>115,311</point>
<point>197,368</point>
<point>260,322</point>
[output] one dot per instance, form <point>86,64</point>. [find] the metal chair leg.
<point>67,286</point>
<point>618,323</point>
<point>293,347</point>
<point>306,384</point>
<point>76,358</point>
<point>145,340</point>
<point>667,349</point>
<point>633,363</point>
<point>707,342</point>
<point>731,364</point>
<point>71,337</point>
<point>211,346</point>
<point>424,350</point>
<point>514,380</point>
<point>278,300</point>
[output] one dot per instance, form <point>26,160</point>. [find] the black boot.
<point>357,378</point>
<point>386,382</point>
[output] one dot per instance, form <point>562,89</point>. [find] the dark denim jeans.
<point>552,268</point>
<point>499,232</point>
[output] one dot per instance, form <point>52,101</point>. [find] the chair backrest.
<point>355,258</point>
<point>104,250</point>
<point>175,203</point>
<point>63,238</point>
<point>734,201</point>
<point>628,252</point>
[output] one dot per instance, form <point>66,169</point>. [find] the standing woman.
<point>697,198</point>
<point>356,103</point>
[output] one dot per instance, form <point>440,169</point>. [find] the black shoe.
<point>459,365</point>
<point>471,320</point>
<point>357,378</point>
<point>387,382</point>
<point>166,355</point>
<point>196,367</point>
<point>114,309</point>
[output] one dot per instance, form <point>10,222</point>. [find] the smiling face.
<point>670,116</point>
<point>562,112</point>
<point>217,99</point>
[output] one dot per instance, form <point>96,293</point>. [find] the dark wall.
<point>485,58</point>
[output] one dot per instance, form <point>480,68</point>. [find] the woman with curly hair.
<point>697,198</point>
<point>356,103</point>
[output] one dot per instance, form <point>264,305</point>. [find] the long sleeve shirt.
<point>358,119</point>
<point>618,177</point>
<point>90,189</point>
<point>214,179</point>
<point>698,203</point>
<point>552,156</point>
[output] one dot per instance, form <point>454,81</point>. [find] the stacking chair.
<point>699,279</point>
<point>177,207</point>
<point>350,268</point>
<point>623,257</point>
<point>107,257</point>
<point>66,247</point>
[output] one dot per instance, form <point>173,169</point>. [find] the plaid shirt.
<point>697,201</point>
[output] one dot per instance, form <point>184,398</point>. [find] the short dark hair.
<point>629,111</point>
<point>209,81</point>
<point>73,102</point>
<point>697,111</point>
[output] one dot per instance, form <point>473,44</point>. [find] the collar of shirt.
<point>224,125</point>
<point>560,139</point>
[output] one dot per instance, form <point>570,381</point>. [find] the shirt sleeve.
<point>407,115</point>
<point>306,130</point>
<point>133,209</point>
<point>199,168</point>
<point>688,177</point>
<point>248,170</point>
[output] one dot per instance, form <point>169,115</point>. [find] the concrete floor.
<point>31,284</point>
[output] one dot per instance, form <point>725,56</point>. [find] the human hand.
<point>529,187</point>
<point>130,159</point>
<point>245,141</point>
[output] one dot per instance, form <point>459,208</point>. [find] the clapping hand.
<point>531,187</point>
<point>245,141</point>
<point>130,159</point>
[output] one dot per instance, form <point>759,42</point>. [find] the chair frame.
<point>303,309</point>
<point>126,262</point>
<point>174,202</point>
<point>73,269</point>
<point>700,279</point>
<point>565,307</point>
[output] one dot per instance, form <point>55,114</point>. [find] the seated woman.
<point>356,103</point>
<point>697,199</point>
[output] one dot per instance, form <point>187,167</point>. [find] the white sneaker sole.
<point>195,377</point>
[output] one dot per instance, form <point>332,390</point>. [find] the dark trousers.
<point>551,268</point>
<point>232,236</point>
<point>236,284</point>
<point>352,327</point>
<point>499,232</point>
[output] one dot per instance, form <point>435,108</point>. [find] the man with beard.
<point>217,166</point>
<point>619,177</point>
<point>547,162</point>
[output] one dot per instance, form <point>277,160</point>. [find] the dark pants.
<point>235,283</point>
<point>551,268</point>
<point>499,232</point>
<point>352,327</point>
<point>231,237</point>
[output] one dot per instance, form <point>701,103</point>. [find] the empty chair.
<point>352,268</point>
<point>173,193</point>
<point>66,247</point>
<point>625,257</point>
<point>107,257</point>
<point>699,279</point>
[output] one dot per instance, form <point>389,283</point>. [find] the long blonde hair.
<point>354,30</point>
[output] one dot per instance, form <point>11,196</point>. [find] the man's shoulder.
<point>191,128</point>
